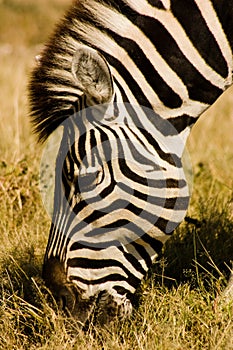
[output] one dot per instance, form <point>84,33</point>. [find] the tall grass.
<point>177,305</point>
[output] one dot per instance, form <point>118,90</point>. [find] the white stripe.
<point>216,29</point>
<point>93,289</point>
<point>88,151</point>
<point>92,274</point>
<point>166,4</point>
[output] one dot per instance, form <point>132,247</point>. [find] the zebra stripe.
<point>126,80</point>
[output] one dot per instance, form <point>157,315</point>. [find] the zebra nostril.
<point>66,300</point>
<point>63,302</point>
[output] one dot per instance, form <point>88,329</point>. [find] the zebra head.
<point>119,193</point>
<point>119,186</point>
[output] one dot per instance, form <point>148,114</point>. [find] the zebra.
<point>126,80</point>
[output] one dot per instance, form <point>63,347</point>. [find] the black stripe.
<point>173,183</point>
<point>110,277</point>
<point>109,189</point>
<point>173,126</point>
<point>121,290</point>
<point>68,175</point>
<point>72,150</point>
<point>181,122</point>
<point>121,6</point>
<point>116,224</point>
<point>93,146</point>
<point>106,145</point>
<point>224,10</point>
<point>80,206</point>
<point>152,242</point>
<point>82,148</point>
<point>95,215</point>
<point>94,246</point>
<point>138,194</point>
<point>199,34</point>
<point>179,203</point>
<point>52,234</point>
<point>156,3</point>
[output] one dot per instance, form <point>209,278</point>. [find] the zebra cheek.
<point>55,279</point>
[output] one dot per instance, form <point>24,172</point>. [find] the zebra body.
<point>127,79</point>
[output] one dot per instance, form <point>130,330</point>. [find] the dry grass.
<point>179,315</point>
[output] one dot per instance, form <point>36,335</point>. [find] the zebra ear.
<point>92,75</point>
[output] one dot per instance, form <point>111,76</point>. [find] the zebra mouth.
<point>70,301</point>
<point>99,309</point>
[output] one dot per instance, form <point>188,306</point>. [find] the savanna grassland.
<point>178,305</point>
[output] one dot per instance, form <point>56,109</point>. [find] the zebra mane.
<point>53,87</point>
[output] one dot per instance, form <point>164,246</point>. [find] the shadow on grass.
<point>200,249</point>
<point>198,254</point>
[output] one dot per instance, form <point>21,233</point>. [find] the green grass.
<point>177,306</point>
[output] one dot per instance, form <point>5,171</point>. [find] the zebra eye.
<point>89,180</point>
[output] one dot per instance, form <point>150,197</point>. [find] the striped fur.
<point>153,67</point>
